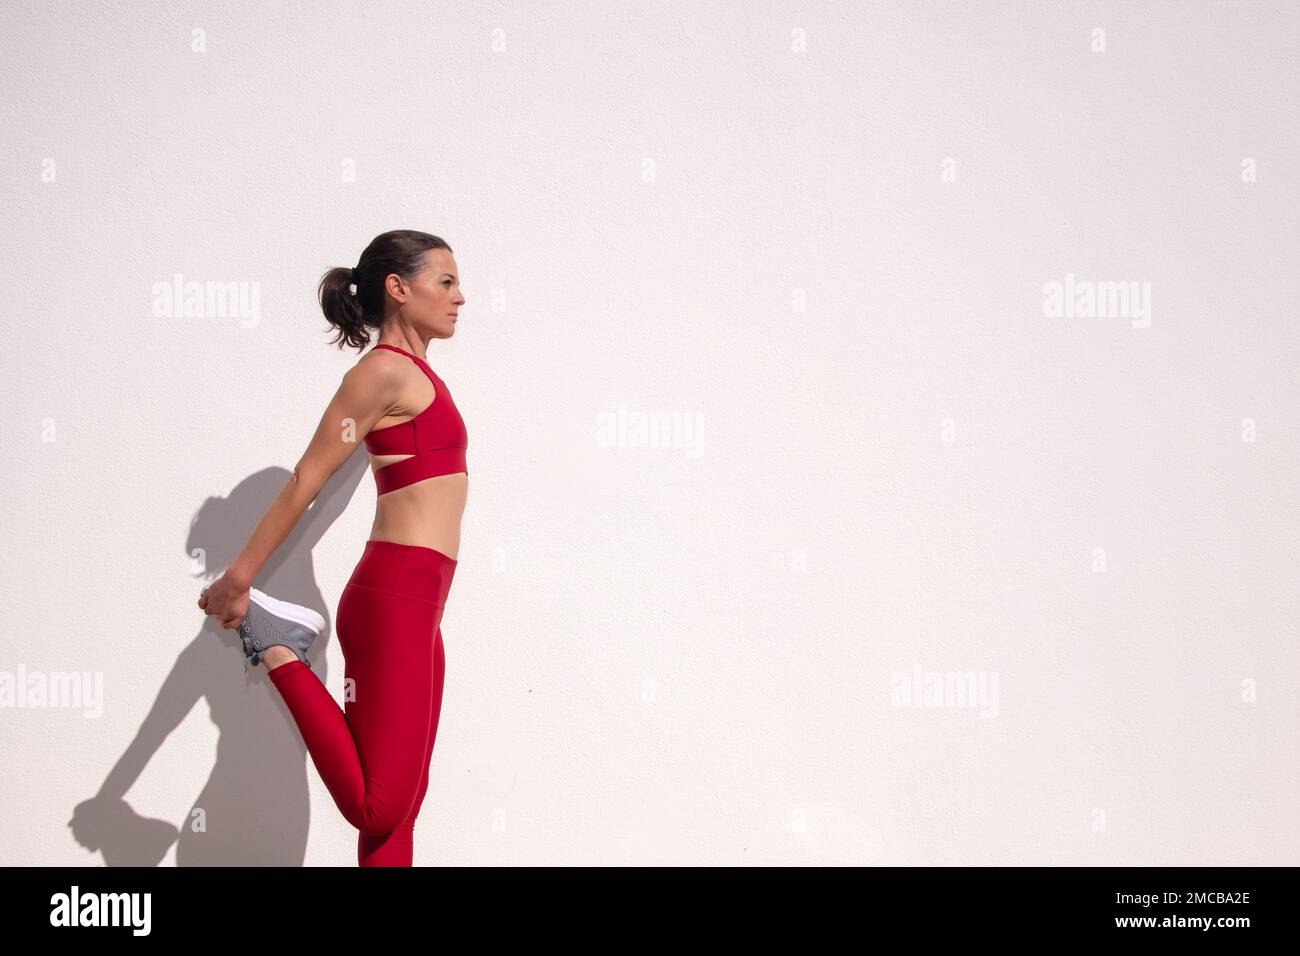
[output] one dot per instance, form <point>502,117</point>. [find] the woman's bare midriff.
<point>425,513</point>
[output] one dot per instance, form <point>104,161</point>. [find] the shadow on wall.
<point>254,809</point>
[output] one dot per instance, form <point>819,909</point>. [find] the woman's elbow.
<point>308,480</point>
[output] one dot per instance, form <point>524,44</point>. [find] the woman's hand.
<point>227,599</point>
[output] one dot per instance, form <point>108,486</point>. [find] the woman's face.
<point>433,297</point>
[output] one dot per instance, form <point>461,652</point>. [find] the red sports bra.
<point>436,438</point>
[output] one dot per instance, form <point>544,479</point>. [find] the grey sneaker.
<point>270,621</point>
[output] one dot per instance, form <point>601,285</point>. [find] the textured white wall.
<point>816,236</point>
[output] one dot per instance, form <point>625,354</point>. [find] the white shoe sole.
<point>290,612</point>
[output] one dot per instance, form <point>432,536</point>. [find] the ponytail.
<point>343,310</point>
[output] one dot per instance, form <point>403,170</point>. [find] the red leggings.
<point>374,752</point>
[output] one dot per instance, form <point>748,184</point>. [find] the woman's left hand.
<point>227,599</point>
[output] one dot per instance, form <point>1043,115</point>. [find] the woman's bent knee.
<point>381,822</point>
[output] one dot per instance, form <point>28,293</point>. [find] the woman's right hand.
<point>227,599</point>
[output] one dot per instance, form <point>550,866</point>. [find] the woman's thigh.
<point>391,689</point>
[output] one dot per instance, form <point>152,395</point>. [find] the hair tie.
<point>354,276</point>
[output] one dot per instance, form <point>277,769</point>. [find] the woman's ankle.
<point>277,655</point>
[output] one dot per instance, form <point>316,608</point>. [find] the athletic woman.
<point>373,753</point>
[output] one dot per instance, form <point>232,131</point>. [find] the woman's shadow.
<point>254,809</point>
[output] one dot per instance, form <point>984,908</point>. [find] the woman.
<point>373,754</point>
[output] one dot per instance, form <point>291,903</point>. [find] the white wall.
<point>818,234</point>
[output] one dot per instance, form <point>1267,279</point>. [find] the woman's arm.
<point>367,392</point>
<point>329,504</point>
